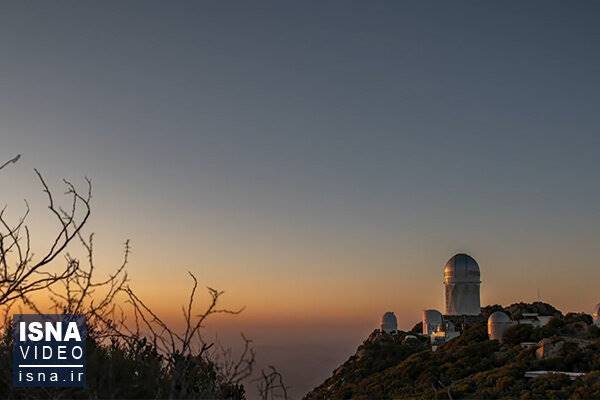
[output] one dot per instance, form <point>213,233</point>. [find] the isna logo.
<point>48,350</point>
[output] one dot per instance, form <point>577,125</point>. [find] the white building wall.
<point>432,319</point>
<point>462,298</point>
<point>496,330</point>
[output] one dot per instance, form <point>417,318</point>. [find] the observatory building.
<point>462,279</point>
<point>432,319</point>
<point>438,329</point>
<point>497,324</point>
<point>596,314</point>
<point>389,323</point>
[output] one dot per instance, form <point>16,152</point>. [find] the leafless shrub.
<point>271,385</point>
<point>114,313</point>
<point>21,273</point>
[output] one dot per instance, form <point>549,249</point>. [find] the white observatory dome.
<point>389,323</point>
<point>462,279</point>
<point>461,268</point>
<point>432,319</point>
<point>497,324</point>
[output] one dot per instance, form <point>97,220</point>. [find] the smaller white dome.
<point>389,323</point>
<point>498,316</point>
<point>497,324</point>
<point>432,319</point>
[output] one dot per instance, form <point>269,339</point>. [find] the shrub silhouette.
<point>130,354</point>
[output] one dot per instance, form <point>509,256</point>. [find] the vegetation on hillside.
<point>471,366</point>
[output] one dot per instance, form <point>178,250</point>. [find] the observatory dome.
<point>498,316</point>
<point>498,323</point>
<point>462,268</point>
<point>432,319</point>
<point>389,323</point>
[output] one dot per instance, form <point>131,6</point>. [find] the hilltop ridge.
<point>404,366</point>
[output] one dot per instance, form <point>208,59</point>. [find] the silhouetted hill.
<point>471,366</point>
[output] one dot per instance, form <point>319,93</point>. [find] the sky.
<point>318,161</point>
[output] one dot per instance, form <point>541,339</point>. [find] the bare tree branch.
<point>75,289</point>
<point>271,385</point>
<point>20,275</point>
<point>11,161</point>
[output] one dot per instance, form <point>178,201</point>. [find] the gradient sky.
<point>319,161</point>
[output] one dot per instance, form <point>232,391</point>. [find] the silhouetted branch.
<point>183,356</point>
<point>20,275</point>
<point>237,369</point>
<point>271,385</point>
<point>11,161</point>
